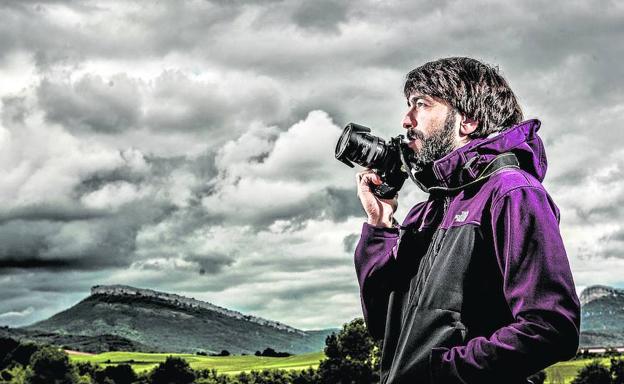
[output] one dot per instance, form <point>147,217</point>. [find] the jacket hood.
<point>466,163</point>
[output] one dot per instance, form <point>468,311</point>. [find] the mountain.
<point>93,344</point>
<point>167,322</point>
<point>602,316</point>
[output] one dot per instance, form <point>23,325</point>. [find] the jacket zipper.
<point>447,202</point>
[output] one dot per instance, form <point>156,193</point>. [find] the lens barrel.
<point>356,144</point>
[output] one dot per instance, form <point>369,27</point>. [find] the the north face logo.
<point>461,217</point>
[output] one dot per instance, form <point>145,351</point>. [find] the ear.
<point>467,125</point>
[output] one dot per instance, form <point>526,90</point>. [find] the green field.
<point>561,373</point>
<point>228,364</point>
<point>565,372</point>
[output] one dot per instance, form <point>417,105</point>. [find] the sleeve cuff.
<point>371,230</point>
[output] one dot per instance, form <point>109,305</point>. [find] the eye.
<point>420,104</point>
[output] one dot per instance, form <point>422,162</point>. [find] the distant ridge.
<point>595,292</point>
<point>602,316</point>
<point>124,290</point>
<point>164,322</point>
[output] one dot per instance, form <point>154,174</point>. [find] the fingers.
<point>365,178</point>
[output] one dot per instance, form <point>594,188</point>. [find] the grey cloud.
<point>273,63</point>
<point>156,168</point>
<point>217,111</point>
<point>195,106</point>
<point>92,104</point>
<point>609,245</point>
<point>51,212</point>
<point>300,294</point>
<point>296,263</point>
<point>104,242</point>
<point>21,240</point>
<point>172,102</point>
<point>321,16</point>
<point>47,292</point>
<point>210,263</point>
<point>14,109</point>
<point>318,17</point>
<point>336,204</point>
<point>154,30</point>
<point>349,242</point>
<point>571,178</point>
<point>37,263</point>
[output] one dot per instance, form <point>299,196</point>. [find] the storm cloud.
<point>188,146</point>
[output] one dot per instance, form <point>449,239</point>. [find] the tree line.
<point>351,357</point>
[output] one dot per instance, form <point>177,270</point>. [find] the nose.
<point>409,120</point>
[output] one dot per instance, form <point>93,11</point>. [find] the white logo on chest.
<point>461,217</point>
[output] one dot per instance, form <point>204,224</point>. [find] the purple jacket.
<point>475,286</point>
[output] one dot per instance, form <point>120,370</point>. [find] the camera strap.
<point>504,160</point>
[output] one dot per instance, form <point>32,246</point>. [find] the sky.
<point>188,146</point>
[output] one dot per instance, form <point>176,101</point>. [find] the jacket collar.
<point>466,163</point>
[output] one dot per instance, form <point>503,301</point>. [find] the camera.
<point>387,159</point>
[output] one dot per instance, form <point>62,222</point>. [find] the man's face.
<point>431,128</point>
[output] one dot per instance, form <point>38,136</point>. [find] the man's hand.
<point>378,210</point>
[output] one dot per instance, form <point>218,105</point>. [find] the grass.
<point>565,371</point>
<point>223,364</point>
<point>560,373</point>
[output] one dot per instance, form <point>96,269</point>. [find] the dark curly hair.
<point>473,88</point>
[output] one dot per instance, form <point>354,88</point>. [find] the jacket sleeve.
<point>539,290</point>
<point>375,259</point>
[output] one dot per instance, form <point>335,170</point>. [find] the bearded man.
<point>474,286</point>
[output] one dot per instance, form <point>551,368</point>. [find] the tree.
<point>14,375</point>
<point>593,373</point>
<point>21,354</point>
<point>306,376</point>
<point>7,345</point>
<point>86,368</point>
<point>350,356</point>
<point>173,370</point>
<point>270,376</point>
<point>617,371</point>
<point>270,352</point>
<point>50,365</point>
<point>118,374</point>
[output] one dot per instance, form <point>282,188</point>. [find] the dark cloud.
<point>51,212</point>
<point>331,203</point>
<point>336,204</point>
<point>92,104</point>
<point>139,30</point>
<point>35,263</point>
<point>320,16</point>
<point>155,82</point>
<point>210,263</point>
<point>79,244</point>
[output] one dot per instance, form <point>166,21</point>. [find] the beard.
<point>435,146</point>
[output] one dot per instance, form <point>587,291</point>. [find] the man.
<point>475,286</point>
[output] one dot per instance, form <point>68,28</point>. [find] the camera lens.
<point>357,145</point>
